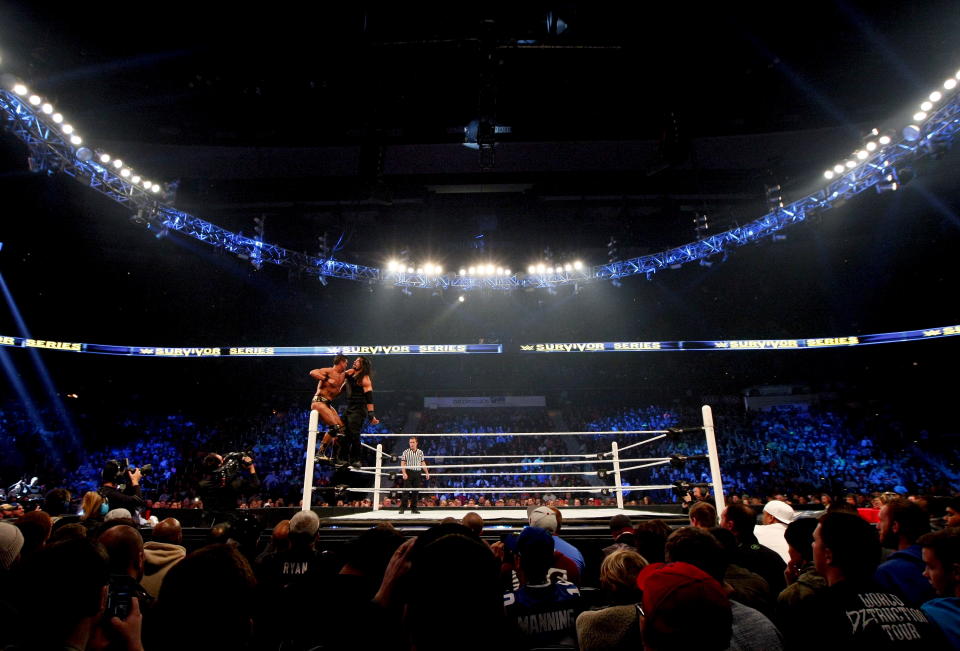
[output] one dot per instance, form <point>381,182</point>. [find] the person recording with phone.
<point>120,486</point>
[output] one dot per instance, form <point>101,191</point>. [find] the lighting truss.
<point>51,151</point>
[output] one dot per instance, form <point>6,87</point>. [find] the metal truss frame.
<point>50,152</point>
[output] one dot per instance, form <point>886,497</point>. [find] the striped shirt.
<point>413,458</point>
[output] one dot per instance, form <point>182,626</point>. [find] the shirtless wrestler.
<point>330,382</point>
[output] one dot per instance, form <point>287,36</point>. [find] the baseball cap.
<point>780,510</point>
<point>543,517</point>
<point>534,539</point>
<point>671,591</point>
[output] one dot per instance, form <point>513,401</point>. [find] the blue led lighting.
<point>51,151</point>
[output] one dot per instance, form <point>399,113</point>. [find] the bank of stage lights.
<point>875,141</point>
<point>430,270</point>
<point>873,156</point>
<point>83,153</point>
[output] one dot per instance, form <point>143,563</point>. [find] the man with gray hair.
<point>280,569</point>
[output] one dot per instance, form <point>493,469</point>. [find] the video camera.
<point>116,472</point>
<point>233,463</point>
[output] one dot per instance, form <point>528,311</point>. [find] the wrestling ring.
<point>608,466</point>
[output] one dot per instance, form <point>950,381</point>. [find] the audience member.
<point>703,514</point>
<point>124,547</point>
<point>941,555</point>
<point>160,554</point>
<point>797,604</point>
<point>549,518</point>
<point>280,569</point>
<point>751,628</point>
<point>543,612</point>
<point>56,503</point>
<point>11,542</point>
<point>618,625</point>
<point>748,588</point>
<point>35,527</point>
<point>77,573</point>
<point>776,516</point>
<point>474,523</point>
<point>623,534</point>
<point>740,520</point>
<point>951,516</point>
<point>215,580</point>
<point>683,608</point>
<point>279,540</point>
<point>651,537</point>
<point>92,510</point>
<point>901,524</point>
<point>855,613</point>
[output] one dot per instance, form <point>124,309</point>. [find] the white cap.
<point>780,510</point>
<point>543,517</point>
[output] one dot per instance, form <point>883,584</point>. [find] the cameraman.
<point>129,498</point>
<point>225,479</point>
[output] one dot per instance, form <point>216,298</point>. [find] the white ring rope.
<point>581,473</point>
<point>512,474</point>
<point>514,463</point>
<point>633,445</point>
<point>505,456</point>
<point>448,434</point>
<point>370,447</point>
<point>646,465</point>
<point>559,489</point>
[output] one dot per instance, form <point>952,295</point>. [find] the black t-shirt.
<point>220,494</point>
<point>282,569</point>
<point>860,615</point>
<point>763,561</point>
<point>128,499</point>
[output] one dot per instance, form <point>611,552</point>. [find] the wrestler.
<point>330,382</point>
<point>359,407</point>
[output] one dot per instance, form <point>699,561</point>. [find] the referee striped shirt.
<point>413,458</point>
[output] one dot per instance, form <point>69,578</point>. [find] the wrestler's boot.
<point>331,439</point>
<point>322,454</point>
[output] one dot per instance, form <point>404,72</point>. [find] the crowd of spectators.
<point>801,451</point>
<point>843,583</point>
<point>796,451</point>
<point>527,454</point>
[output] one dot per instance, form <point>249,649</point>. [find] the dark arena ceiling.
<point>348,122</point>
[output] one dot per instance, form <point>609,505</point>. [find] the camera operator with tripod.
<point>225,478</point>
<point>120,486</point>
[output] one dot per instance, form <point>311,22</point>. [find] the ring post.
<point>714,458</point>
<point>311,454</point>
<point>616,474</point>
<point>376,478</point>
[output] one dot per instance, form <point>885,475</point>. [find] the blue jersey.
<point>545,615</point>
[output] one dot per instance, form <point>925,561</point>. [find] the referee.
<point>411,463</point>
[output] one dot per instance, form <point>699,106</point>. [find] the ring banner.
<point>470,349</point>
<point>741,344</point>
<point>253,351</point>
